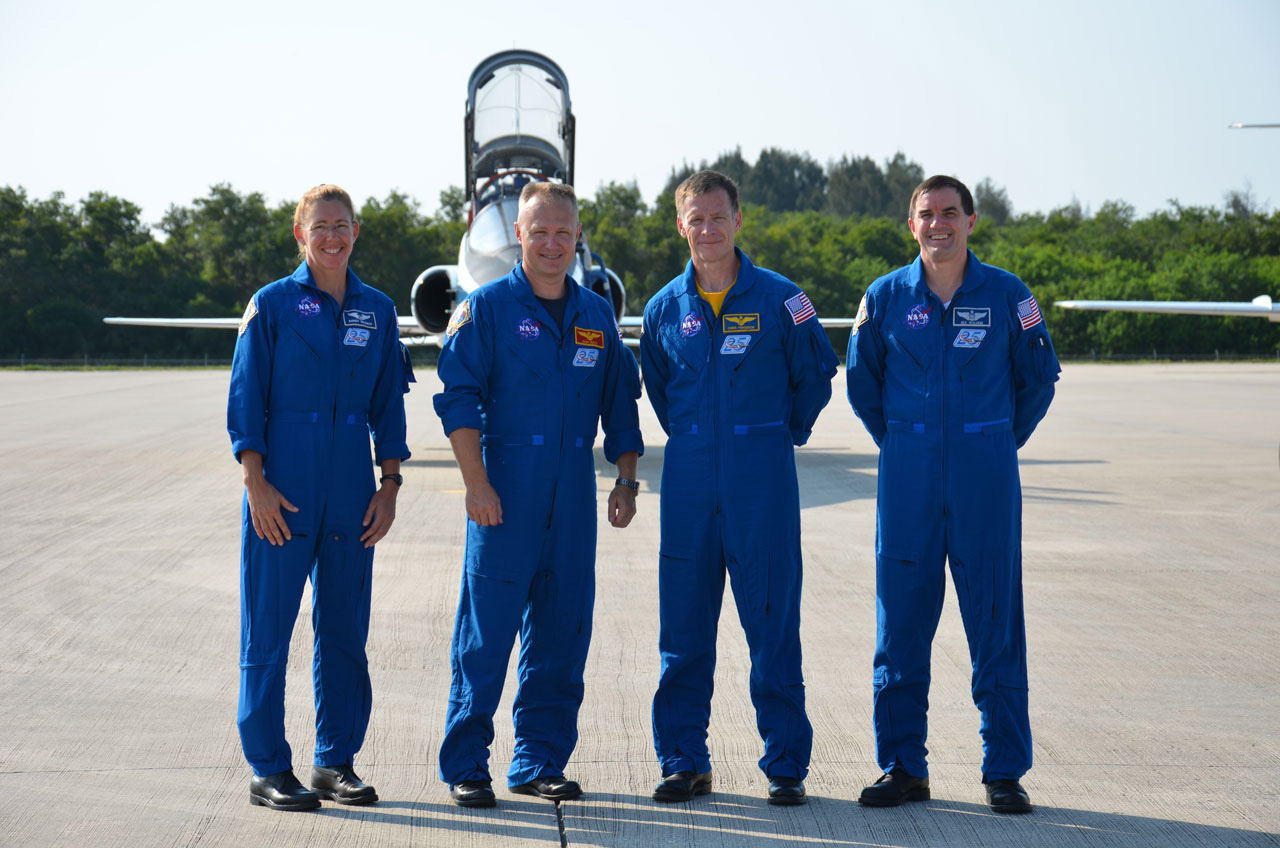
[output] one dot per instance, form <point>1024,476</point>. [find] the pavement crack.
<point>564,838</point>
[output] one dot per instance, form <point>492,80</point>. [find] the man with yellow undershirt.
<point>737,368</point>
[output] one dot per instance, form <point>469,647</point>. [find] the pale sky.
<point>156,100</point>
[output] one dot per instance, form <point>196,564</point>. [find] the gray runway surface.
<point>1153,605</point>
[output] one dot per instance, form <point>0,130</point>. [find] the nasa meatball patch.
<point>308,306</point>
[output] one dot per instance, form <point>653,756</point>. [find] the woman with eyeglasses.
<point>318,367</point>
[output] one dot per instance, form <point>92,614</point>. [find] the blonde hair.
<point>319,194</point>
<point>549,191</point>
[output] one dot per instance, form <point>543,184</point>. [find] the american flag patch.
<point>1028,313</point>
<point>800,308</point>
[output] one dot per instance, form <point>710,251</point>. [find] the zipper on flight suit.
<point>555,485</point>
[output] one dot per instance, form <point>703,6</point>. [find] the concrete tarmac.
<point>1152,579</point>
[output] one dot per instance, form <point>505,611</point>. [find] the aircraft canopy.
<point>519,118</point>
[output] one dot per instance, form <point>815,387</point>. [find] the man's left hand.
<point>622,505</point>
<point>380,514</point>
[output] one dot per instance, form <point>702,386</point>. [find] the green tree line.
<point>833,229</point>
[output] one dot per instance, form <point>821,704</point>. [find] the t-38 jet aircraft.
<point>519,128</point>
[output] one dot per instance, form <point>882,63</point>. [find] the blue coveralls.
<point>535,392</point>
<point>309,381</point>
<point>735,394</point>
<point>950,395</point>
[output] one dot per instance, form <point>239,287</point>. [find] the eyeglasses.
<point>320,230</point>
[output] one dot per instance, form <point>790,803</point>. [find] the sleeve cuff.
<point>240,445</point>
<point>626,441</point>
<point>395,450</point>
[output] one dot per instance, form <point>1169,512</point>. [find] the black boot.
<point>340,784</point>
<point>281,791</point>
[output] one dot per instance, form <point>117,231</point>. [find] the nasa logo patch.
<point>529,329</point>
<point>587,357</point>
<point>735,345</point>
<point>691,325</point>
<point>969,338</point>
<point>308,306</point>
<point>357,336</point>
<point>918,316</point>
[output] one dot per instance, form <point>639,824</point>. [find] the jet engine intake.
<point>432,297</point>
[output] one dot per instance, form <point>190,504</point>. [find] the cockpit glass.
<point>519,101</point>
<point>492,230</point>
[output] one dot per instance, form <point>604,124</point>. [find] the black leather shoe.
<point>473,793</point>
<point>1008,796</point>
<point>281,791</point>
<point>894,788</point>
<point>786,791</point>
<point>341,784</point>
<point>682,786</point>
<point>553,787</point>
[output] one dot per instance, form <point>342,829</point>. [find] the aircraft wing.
<point>188,323</point>
<point>1260,307</point>
<point>411,332</point>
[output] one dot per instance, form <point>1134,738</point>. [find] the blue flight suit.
<point>735,394</point>
<point>950,395</point>
<point>536,392</point>
<point>310,380</point>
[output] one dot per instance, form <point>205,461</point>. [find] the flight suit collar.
<point>302,276</point>
<point>746,276</point>
<point>973,276</point>
<point>523,293</point>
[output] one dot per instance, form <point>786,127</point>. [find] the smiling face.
<point>708,222</point>
<point>327,235</point>
<point>940,226</point>
<point>547,229</point>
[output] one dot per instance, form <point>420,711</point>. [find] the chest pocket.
<point>906,379</point>
<point>986,377</point>
<point>538,355</point>
<point>689,351</point>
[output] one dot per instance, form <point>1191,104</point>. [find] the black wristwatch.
<point>398,478</point>
<point>633,485</point>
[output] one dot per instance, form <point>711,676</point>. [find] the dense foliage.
<point>834,230</point>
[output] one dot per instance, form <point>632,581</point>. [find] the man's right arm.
<point>484,507</point>
<point>654,367</point>
<point>864,372</point>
